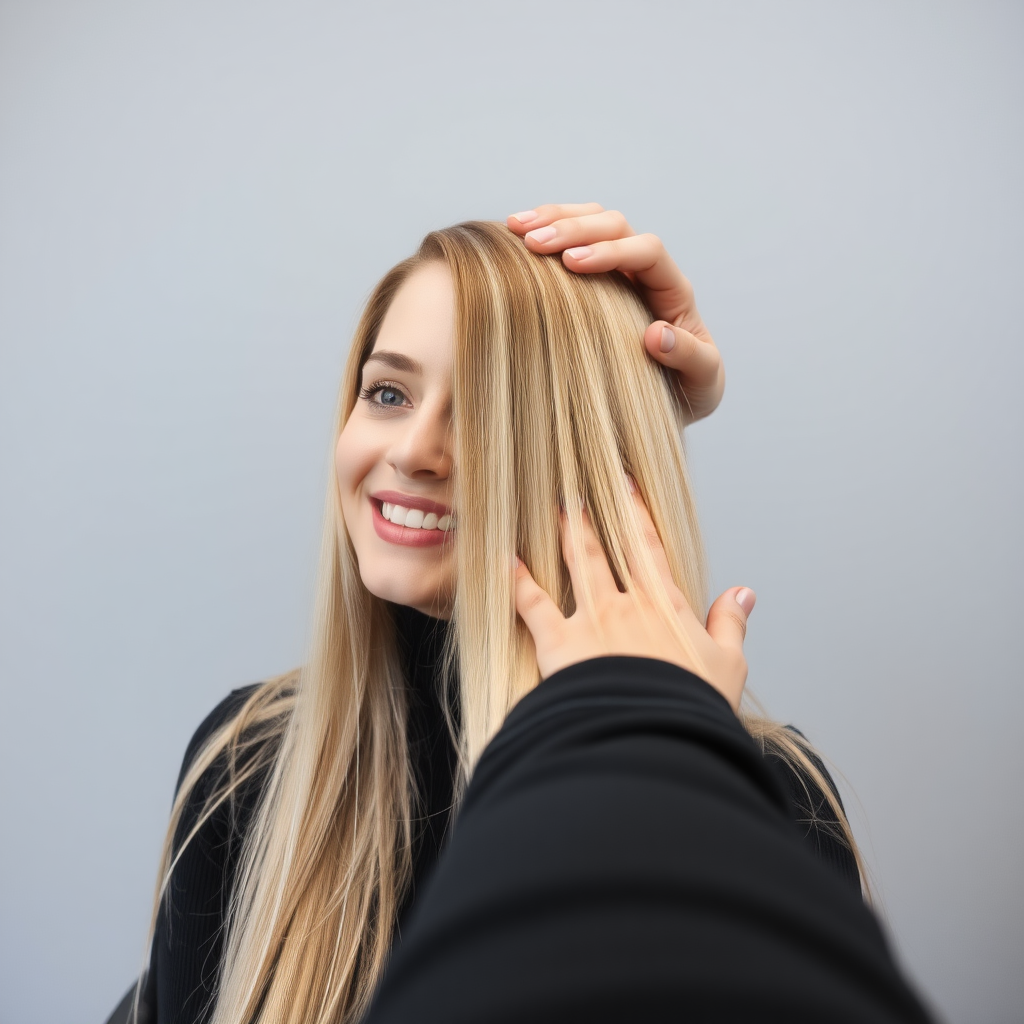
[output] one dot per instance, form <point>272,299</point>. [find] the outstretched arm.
<point>625,853</point>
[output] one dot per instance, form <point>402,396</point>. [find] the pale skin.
<point>397,439</point>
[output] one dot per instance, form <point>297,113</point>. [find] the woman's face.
<point>393,456</point>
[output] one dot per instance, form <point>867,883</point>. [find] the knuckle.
<point>741,625</point>
<point>651,248</point>
<point>736,662</point>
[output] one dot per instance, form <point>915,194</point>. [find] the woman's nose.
<point>423,448</point>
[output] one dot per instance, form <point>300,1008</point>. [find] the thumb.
<point>698,361</point>
<point>727,617</point>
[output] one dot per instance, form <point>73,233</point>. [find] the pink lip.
<point>403,534</point>
<point>408,501</point>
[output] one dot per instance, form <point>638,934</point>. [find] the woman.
<point>486,384</point>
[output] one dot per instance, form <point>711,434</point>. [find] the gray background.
<point>196,198</point>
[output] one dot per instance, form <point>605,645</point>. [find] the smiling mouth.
<point>410,536</point>
<point>414,518</point>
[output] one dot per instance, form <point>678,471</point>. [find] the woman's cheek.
<point>353,458</point>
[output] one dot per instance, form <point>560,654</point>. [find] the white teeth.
<point>414,518</point>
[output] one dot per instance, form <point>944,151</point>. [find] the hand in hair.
<point>625,624</point>
<point>593,240</point>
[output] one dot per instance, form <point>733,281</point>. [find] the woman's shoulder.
<point>228,758</point>
<point>245,720</point>
<point>219,789</point>
<point>223,712</point>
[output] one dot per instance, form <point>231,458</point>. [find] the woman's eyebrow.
<point>396,361</point>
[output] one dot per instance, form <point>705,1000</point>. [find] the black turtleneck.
<point>188,942</point>
<point>430,745</point>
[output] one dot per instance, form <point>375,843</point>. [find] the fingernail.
<point>542,235</point>
<point>631,483</point>
<point>745,598</point>
<point>581,252</point>
<point>526,216</point>
<point>668,339</point>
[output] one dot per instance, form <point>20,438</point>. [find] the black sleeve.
<point>819,827</point>
<point>624,852</point>
<point>187,943</point>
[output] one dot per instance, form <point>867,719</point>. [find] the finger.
<point>534,605</point>
<point>657,550</point>
<point>588,563</point>
<point>727,618</point>
<point>520,223</point>
<point>578,231</point>
<point>696,360</point>
<point>668,292</point>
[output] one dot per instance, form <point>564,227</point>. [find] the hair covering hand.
<point>624,626</point>
<point>593,240</point>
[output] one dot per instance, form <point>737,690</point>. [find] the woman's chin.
<point>421,601</point>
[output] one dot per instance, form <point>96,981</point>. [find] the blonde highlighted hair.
<point>552,398</point>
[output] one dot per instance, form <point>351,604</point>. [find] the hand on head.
<point>625,626</point>
<point>593,240</point>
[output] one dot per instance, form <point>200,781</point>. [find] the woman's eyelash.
<point>370,390</point>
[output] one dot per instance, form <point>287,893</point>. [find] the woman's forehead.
<point>418,328</point>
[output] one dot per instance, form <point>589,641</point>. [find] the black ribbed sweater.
<point>188,941</point>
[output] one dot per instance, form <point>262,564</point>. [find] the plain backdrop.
<point>195,199</point>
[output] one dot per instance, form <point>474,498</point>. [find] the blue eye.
<point>391,396</point>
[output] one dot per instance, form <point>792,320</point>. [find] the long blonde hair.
<point>552,398</point>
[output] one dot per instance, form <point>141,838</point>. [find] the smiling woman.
<point>487,384</point>
<point>393,457</point>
